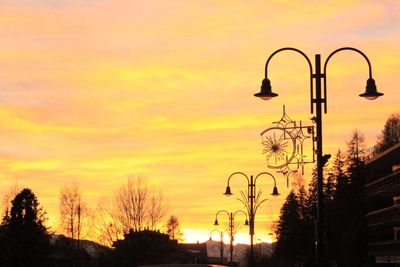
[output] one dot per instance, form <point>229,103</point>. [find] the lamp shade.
<point>266,90</point>
<point>246,222</point>
<point>216,222</point>
<point>275,191</point>
<point>371,92</point>
<point>228,191</point>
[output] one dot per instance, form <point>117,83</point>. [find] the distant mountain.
<point>240,251</point>
<point>63,250</point>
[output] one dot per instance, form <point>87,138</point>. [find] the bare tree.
<point>135,206</point>
<point>106,223</point>
<point>173,228</point>
<point>131,204</point>
<point>73,213</point>
<point>156,210</point>
<point>6,200</point>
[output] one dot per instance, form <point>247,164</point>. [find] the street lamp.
<point>221,233</point>
<point>317,76</point>
<point>251,190</point>
<point>231,225</point>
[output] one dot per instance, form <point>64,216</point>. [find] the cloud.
<point>95,91</point>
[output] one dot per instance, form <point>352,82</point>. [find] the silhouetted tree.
<point>344,205</point>
<point>339,171</point>
<point>336,211</point>
<point>354,238</point>
<point>7,197</point>
<point>23,236</point>
<point>73,213</point>
<point>135,206</point>
<point>106,222</point>
<point>312,196</point>
<point>390,134</point>
<point>298,185</point>
<point>293,237</point>
<point>173,228</point>
<point>329,188</point>
<point>347,232</point>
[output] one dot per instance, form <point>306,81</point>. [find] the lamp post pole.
<point>370,94</point>
<point>251,189</point>
<point>252,218</point>
<point>320,180</point>
<point>231,226</point>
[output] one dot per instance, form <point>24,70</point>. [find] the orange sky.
<point>95,91</point>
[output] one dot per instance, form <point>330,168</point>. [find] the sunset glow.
<point>94,92</point>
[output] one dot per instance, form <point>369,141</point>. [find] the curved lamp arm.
<point>285,49</point>
<point>275,190</point>
<point>370,79</point>
<point>352,49</point>
<point>246,222</point>
<point>220,232</point>
<point>212,231</point>
<point>216,216</point>
<point>266,84</point>
<point>228,189</point>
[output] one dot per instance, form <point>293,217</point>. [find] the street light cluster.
<point>316,76</point>
<point>251,209</point>
<point>317,99</point>
<point>231,226</point>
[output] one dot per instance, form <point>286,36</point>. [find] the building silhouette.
<point>383,206</point>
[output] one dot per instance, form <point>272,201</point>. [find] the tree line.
<point>345,208</point>
<point>135,206</point>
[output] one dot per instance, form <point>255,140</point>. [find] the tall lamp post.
<point>251,191</point>
<point>317,99</point>
<point>221,233</point>
<point>231,225</point>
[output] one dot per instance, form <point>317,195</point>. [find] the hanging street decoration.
<point>288,146</point>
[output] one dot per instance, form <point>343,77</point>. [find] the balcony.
<point>387,185</point>
<point>390,215</point>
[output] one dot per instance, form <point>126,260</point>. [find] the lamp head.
<point>370,91</point>
<point>228,191</point>
<point>266,90</point>
<point>246,222</point>
<point>275,192</point>
<point>216,222</point>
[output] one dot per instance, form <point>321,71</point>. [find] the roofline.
<point>382,154</point>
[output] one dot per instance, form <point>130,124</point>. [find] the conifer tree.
<point>337,211</point>
<point>293,238</point>
<point>23,235</point>
<point>347,230</point>
<point>390,134</point>
<point>355,234</point>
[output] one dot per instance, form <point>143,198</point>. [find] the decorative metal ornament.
<point>285,145</point>
<point>279,147</point>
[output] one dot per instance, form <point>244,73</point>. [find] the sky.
<point>93,92</point>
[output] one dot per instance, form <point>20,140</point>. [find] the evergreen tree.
<point>390,134</point>
<point>337,211</point>
<point>23,236</point>
<point>338,170</point>
<point>347,230</point>
<point>293,238</point>
<point>355,234</point>
<point>356,155</point>
<point>330,188</point>
<point>312,197</point>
